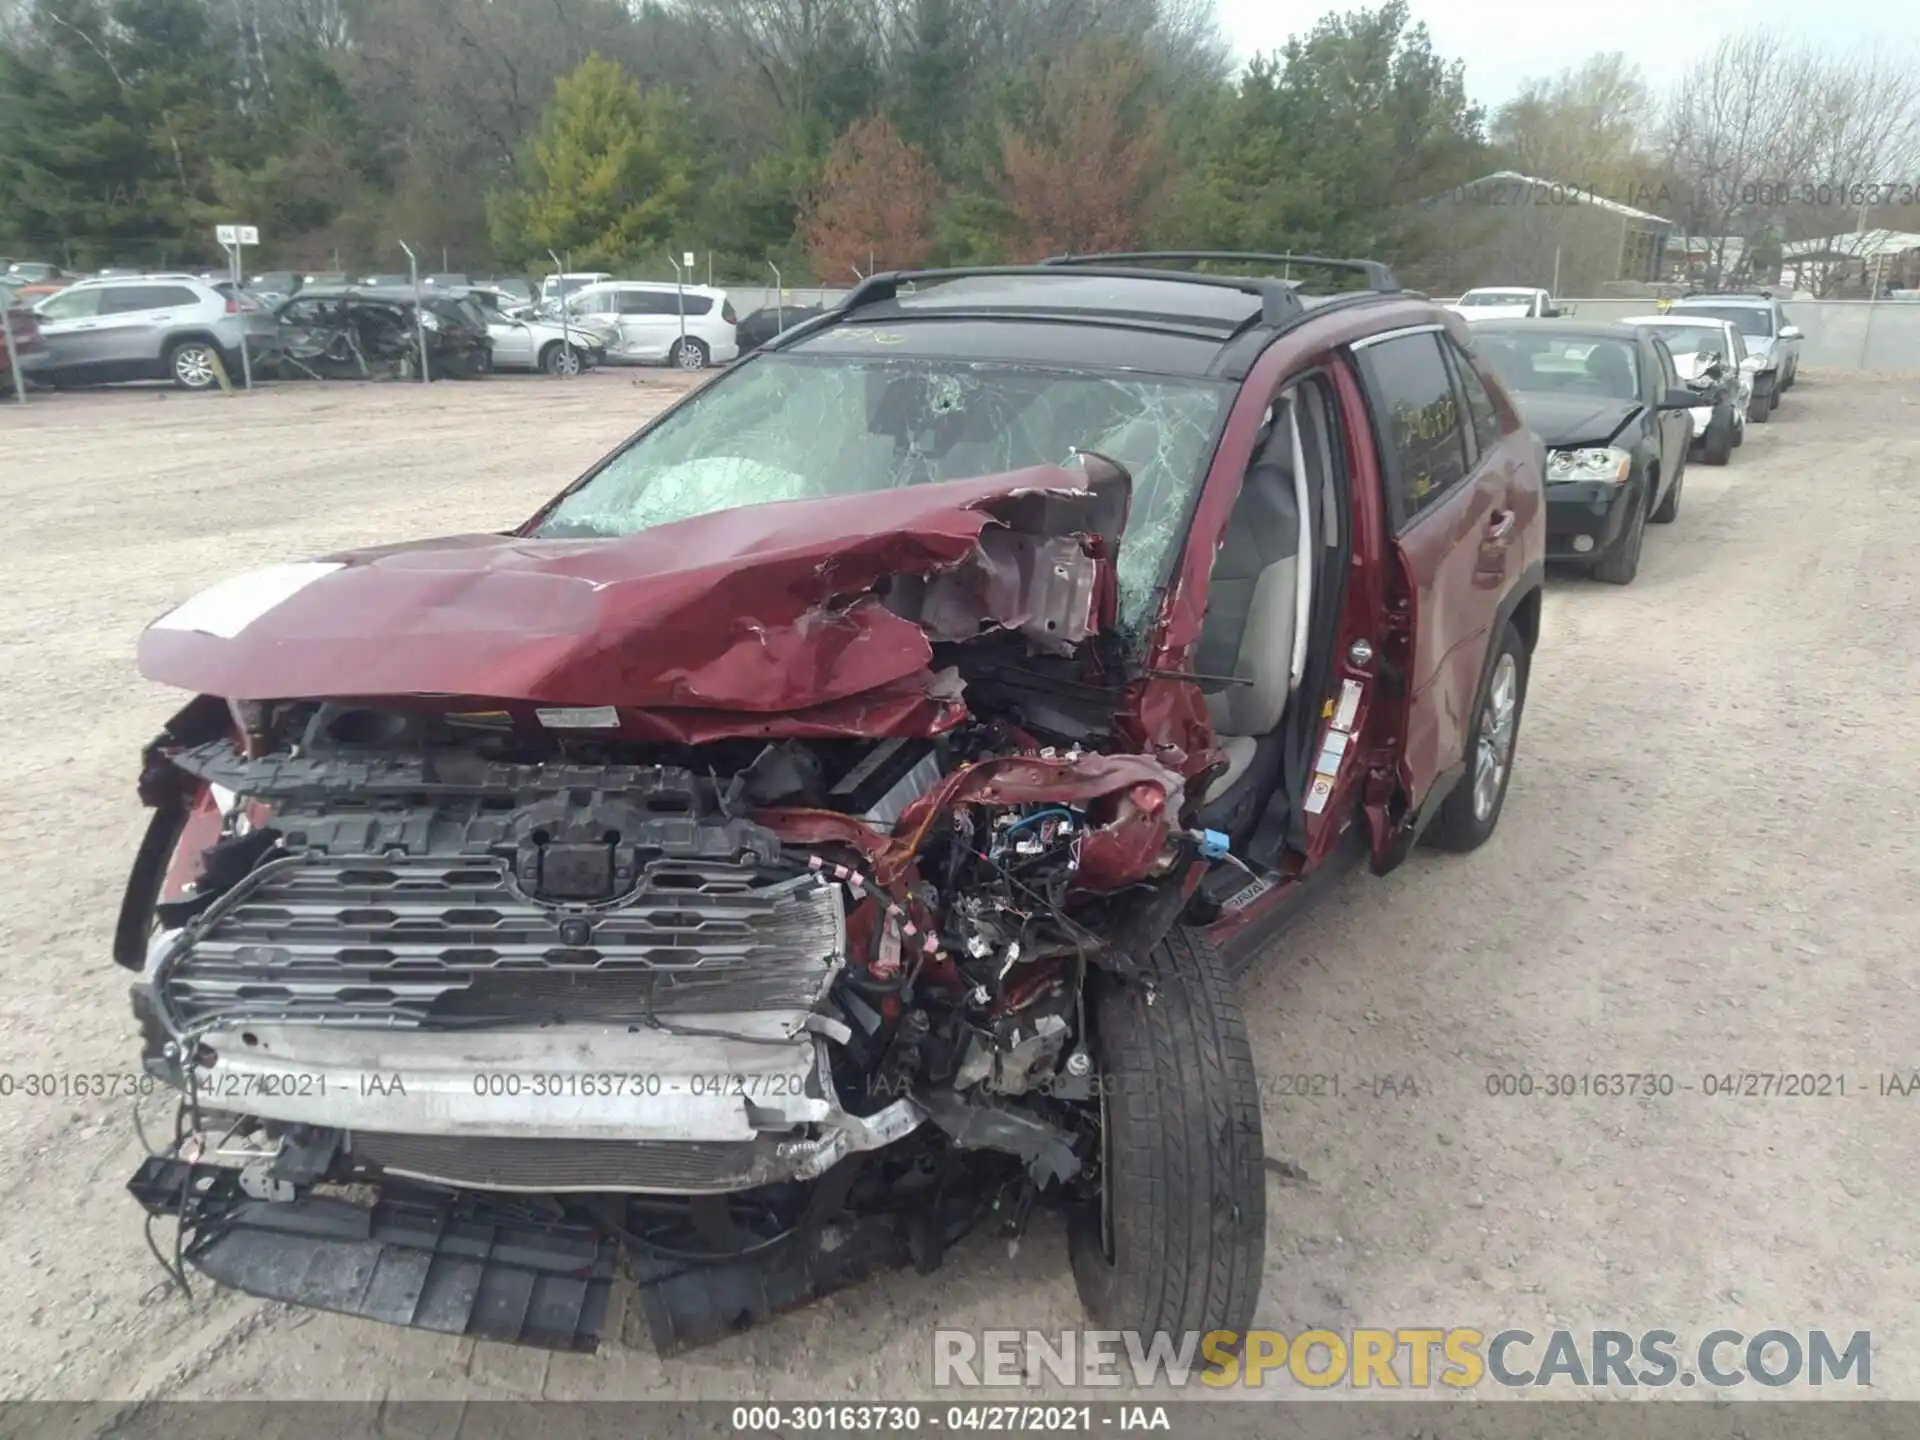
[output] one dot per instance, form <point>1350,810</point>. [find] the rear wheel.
<point>1469,814</point>
<point>688,354</point>
<point>1669,508</point>
<point>1177,1239</point>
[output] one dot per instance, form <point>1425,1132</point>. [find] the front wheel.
<point>1469,814</point>
<point>1176,1240</point>
<point>1622,562</point>
<point>558,359</point>
<point>688,354</point>
<point>1760,407</point>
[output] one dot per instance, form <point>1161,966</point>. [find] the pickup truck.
<point>1506,302</point>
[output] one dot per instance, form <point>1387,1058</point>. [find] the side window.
<point>1416,419</point>
<point>695,305</point>
<point>70,305</point>
<point>604,303</point>
<point>1669,376</point>
<point>1483,421</point>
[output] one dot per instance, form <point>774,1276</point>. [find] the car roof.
<point>1748,299</point>
<point>1072,309</point>
<point>652,285</point>
<point>1578,329</point>
<point>1674,320</point>
<point>1503,290</point>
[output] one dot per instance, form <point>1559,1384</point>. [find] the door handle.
<point>1500,526</point>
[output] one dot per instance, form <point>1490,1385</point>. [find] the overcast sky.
<point>1505,42</point>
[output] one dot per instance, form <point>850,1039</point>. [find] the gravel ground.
<point>1706,864</point>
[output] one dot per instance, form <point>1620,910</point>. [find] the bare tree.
<point>1736,129</point>
<point>1865,133</point>
<point>1587,129</point>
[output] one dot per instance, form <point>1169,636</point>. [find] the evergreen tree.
<point>607,176</point>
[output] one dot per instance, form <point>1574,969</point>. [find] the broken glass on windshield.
<point>793,428</point>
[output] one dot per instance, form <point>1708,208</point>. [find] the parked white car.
<point>525,340</point>
<point>689,327</point>
<point>1505,302</point>
<point>1696,341</point>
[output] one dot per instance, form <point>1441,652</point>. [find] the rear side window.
<point>1416,418</point>
<point>120,299</point>
<point>1482,421</point>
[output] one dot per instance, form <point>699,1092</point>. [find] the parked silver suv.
<point>152,327</point>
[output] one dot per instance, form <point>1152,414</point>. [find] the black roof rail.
<point>1379,276</point>
<point>1278,304</point>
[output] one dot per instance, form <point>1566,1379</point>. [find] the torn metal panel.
<point>767,613</point>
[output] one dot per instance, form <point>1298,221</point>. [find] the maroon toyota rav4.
<point>836,818</point>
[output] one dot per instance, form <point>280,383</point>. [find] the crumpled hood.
<point>763,611</point>
<point>1574,420</point>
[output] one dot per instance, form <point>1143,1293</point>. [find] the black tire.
<point>1760,407</point>
<point>195,365</point>
<point>1183,1179</point>
<point>1716,448</point>
<point>1739,429</point>
<point>560,360</point>
<point>689,354</point>
<point>1467,816</point>
<point>1621,563</point>
<point>1669,508</point>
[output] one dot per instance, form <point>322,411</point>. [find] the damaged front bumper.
<point>587,1110</point>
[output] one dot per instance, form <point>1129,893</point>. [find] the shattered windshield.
<point>795,428</point>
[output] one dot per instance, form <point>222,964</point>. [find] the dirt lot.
<point>1707,864</point>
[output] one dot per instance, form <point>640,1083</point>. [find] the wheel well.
<point>693,340</point>
<point>174,342</point>
<point>1526,618</point>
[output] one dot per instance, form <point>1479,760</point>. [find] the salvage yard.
<point>1709,864</point>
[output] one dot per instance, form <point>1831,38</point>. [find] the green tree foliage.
<point>607,176</point>
<point>1323,144</point>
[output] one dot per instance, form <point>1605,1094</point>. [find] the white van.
<point>689,327</point>
<point>556,287</point>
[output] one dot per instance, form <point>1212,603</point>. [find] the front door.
<point>1452,513</point>
<point>68,322</point>
<point>1676,426</point>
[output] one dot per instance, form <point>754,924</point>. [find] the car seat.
<point>1609,367</point>
<point>1251,604</point>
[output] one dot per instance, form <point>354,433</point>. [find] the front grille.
<point>662,1167</point>
<point>426,941</point>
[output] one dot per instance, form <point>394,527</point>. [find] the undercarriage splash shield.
<point>467,1265</point>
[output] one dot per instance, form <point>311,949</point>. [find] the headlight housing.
<point>1609,463</point>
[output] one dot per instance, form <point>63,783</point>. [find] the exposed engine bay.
<point>759,1010</point>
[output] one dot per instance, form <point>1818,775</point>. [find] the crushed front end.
<point>470,1001</point>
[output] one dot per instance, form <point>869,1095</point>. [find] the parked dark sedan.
<point>763,324</point>
<point>1608,403</point>
<point>331,332</point>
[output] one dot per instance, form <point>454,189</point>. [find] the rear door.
<point>1454,524</point>
<point>648,324</point>
<point>134,321</point>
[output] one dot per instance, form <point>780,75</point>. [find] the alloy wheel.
<point>193,366</point>
<point>1494,753</point>
<point>688,356</point>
